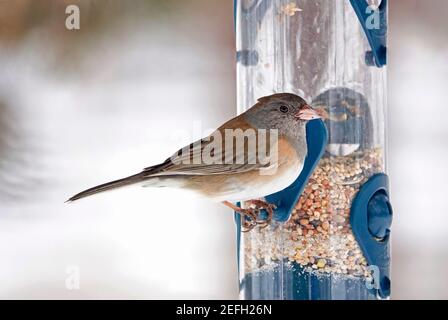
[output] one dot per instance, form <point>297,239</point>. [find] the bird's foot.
<point>260,205</point>
<point>249,216</point>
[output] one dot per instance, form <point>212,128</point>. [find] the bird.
<point>237,172</point>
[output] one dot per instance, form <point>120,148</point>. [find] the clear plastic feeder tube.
<point>316,49</point>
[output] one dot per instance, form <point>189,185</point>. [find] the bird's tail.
<point>136,178</point>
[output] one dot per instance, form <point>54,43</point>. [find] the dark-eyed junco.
<point>224,169</point>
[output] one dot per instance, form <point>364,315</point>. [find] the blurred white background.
<point>418,77</point>
<point>78,108</point>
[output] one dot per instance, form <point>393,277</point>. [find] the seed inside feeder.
<point>318,236</point>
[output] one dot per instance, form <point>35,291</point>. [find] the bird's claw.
<point>250,215</point>
<point>249,218</point>
<point>260,205</point>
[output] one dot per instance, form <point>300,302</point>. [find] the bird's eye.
<point>284,109</point>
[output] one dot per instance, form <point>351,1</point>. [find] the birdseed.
<point>318,235</point>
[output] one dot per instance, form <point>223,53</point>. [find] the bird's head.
<point>282,111</point>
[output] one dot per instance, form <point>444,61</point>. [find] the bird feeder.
<point>331,229</point>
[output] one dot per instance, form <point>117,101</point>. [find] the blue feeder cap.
<point>376,34</point>
<point>371,219</point>
<point>379,215</point>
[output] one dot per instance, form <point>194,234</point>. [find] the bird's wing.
<point>209,156</point>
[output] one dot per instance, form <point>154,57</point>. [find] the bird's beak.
<point>306,113</point>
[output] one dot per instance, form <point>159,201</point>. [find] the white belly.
<point>266,185</point>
